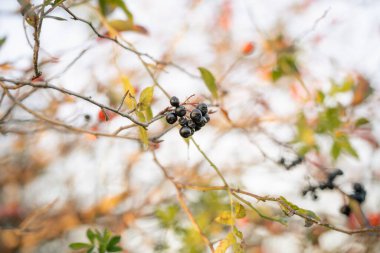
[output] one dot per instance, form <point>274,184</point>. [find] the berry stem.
<point>211,163</point>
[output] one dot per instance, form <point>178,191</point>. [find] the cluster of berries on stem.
<point>328,184</point>
<point>191,121</point>
<point>359,195</point>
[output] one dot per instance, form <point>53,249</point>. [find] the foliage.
<point>100,242</point>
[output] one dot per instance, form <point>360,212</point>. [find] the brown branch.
<point>46,85</point>
<point>61,124</point>
<point>130,49</point>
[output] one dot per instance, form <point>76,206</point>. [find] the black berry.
<point>346,210</point>
<point>207,117</point>
<point>180,111</point>
<point>191,123</point>
<point>197,128</point>
<point>203,108</point>
<point>87,117</point>
<point>196,115</point>
<point>202,122</point>
<point>183,121</point>
<point>185,132</point>
<point>171,118</point>
<point>358,187</point>
<point>174,101</point>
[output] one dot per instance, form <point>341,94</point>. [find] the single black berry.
<point>185,132</point>
<point>196,115</point>
<point>203,108</point>
<point>197,128</point>
<point>346,210</point>
<point>174,101</point>
<point>207,117</point>
<point>183,121</point>
<point>191,123</point>
<point>171,118</point>
<point>358,187</point>
<point>180,111</point>
<point>87,117</point>
<point>202,122</point>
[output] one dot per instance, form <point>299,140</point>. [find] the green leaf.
<point>361,121</point>
<point>290,209</point>
<point>209,80</point>
<point>115,249</point>
<point>90,235</point>
<point>107,6</point>
<point>347,85</point>
<point>90,249</point>
<point>167,216</point>
<point>286,64</point>
<point>2,41</point>
<point>239,210</point>
<point>276,74</point>
<point>146,98</point>
<point>346,146</point>
<point>329,120</point>
<point>320,97</point>
<point>112,244</point>
<point>238,233</point>
<point>79,245</point>
<point>225,218</point>
<point>237,248</point>
<point>335,150</point>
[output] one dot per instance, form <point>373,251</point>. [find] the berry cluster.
<point>359,193</point>
<point>197,118</point>
<point>328,184</point>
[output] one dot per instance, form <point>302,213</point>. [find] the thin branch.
<point>182,202</point>
<point>46,85</point>
<point>61,124</point>
<point>236,191</point>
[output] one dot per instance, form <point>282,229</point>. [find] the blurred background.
<point>295,98</point>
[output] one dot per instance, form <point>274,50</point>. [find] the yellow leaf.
<point>146,98</point>
<point>225,218</point>
<point>120,25</point>
<point>130,100</point>
<point>225,243</point>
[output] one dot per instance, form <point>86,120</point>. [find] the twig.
<point>182,202</point>
<point>46,85</point>
<point>61,124</point>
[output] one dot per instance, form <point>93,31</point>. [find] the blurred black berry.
<point>207,117</point>
<point>359,193</point>
<point>346,210</point>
